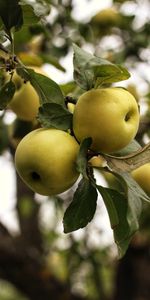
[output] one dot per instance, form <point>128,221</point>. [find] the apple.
<point>71,107</point>
<point>110,116</point>
<point>25,102</point>
<point>107,17</point>
<point>45,159</point>
<point>142,176</point>
<point>97,161</point>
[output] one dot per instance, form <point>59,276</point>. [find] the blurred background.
<point>37,260</point>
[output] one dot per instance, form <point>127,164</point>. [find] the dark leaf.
<point>82,156</point>
<point>47,89</point>
<point>53,115</point>
<point>117,207</point>
<point>82,209</point>
<point>6,94</point>
<point>11,14</point>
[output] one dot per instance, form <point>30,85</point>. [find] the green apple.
<point>142,176</point>
<point>109,116</point>
<point>46,161</point>
<point>107,17</point>
<point>25,103</point>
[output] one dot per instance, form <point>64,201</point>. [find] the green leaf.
<point>82,158</point>
<point>82,209</point>
<point>106,72</point>
<point>130,148</point>
<point>117,206</point>
<point>47,89</point>
<point>29,16</point>
<point>4,136</point>
<point>109,203</point>
<point>2,36</point>
<point>91,71</point>
<point>124,209</point>
<point>6,94</point>
<point>135,195</point>
<point>40,9</point>
<point>68,87</point>
<point>11,14</point>
<point>83,76</point>
<point>53,115</point>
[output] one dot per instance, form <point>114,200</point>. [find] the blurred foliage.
<point>8,292</point>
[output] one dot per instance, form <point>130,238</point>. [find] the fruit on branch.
<point>142,176</point>
<point>25,103</point>
<point>107,17</point>
<point>71,107</point>
<point>110,116</point>
<point>46,161</point>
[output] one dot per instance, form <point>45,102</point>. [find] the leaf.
<point>29,16</point>
<point>6,94</point>
<point>68,87</point>
<point>82,209</point>
<point>83,76</point>
<point>91,71</point>
<point>11,14</point>
<point>47,89</point>
<point>40,9</point>
<point>108,73</point>
<point>117,206</point>
<point>81,162</point>
<point>109,203</point>
<point>133,146</point>
<point>135,195</point>
<point>53,115</point>
<point>130,162</point>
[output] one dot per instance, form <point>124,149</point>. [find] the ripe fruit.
<point>97,161</point>
<point>109,116</point>
<point>45,160</point>
<point>71,107</point>
<point>25,102</point>
<point>107,17</point>
<point>142,176</point>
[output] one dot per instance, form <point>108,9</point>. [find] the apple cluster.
<point>46,158</point>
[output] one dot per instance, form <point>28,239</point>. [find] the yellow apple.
<point>97,161</point>
<point>107,17</point>
<point>46,161</point>
<point>109,116</point>
<point>71,107</point>
<point>25,102</point>
<point>142,176</point>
